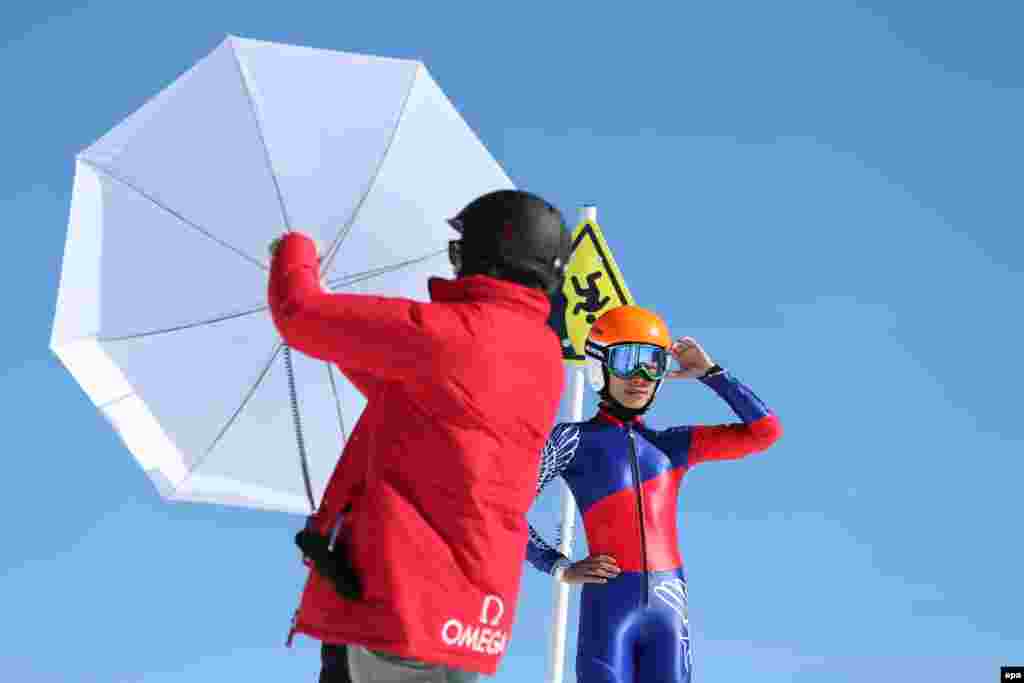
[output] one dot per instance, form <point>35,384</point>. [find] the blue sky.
<point>820,192</point>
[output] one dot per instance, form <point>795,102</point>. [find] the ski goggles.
<point>630,360</point>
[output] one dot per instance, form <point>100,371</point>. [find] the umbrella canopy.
<point>161,313</point>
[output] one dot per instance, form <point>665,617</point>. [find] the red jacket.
<point>441,467</point>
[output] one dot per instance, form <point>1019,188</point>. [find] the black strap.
<point>713,370</point>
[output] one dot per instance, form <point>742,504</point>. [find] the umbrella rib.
<point>337,283</point>
<point>178,328</point>
<point>263,141</point>
<point>337,402</point>
<point>156,202</point>
<point>234,417</point>
<point>348,280</point>
<point>335,247</point>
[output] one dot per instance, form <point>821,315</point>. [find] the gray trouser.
<point>378,667</point>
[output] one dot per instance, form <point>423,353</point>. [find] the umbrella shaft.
<point>297,418</point>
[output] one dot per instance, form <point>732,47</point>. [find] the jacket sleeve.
<point>387,338</point>
<point>759,427</point>
<point>558,452</point>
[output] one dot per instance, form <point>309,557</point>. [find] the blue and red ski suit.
<point>625,478</point>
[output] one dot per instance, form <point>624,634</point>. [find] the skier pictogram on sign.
<point>592,302</point>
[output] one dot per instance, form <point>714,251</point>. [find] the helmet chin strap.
<point>616,409</point>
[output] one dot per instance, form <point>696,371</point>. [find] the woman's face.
<point>633,393</point>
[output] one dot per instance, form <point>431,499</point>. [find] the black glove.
<point>330,563</point>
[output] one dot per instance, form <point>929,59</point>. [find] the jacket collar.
<point>483,288</point>
<point>604,416</point>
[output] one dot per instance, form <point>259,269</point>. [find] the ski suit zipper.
<point>635,462</point>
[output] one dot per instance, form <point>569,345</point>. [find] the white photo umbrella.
<point>161,314</point>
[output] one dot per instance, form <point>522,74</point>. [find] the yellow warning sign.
<point>593,285</point>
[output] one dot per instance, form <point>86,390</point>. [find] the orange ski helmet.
<point>621,325</point>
